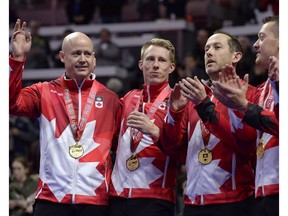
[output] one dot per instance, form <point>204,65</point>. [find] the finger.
<point>177,87</point>
<point>239,83</point>
<point>229,72</point>
<point>23,27</point>
<point>271,66</point>
<point>215,85</point>
<point>188,80</point>
<point>192,83</point>
<point>185,94</point>
<point>219,87</point>
<point>29,37</point>
<point>224,73</point>
<point>185,90</point>
<point>232,72</point>
<point>188,89</point>
<point>246,78</point>
<point>197,80</point>
<point>132,115</point>
<point>221,77</point>
<point>217,94</point>
<point>272,59</point>
<point>14,35</point>
<point>186,84</point>
<point>17,25</point>
<point>136,113</point>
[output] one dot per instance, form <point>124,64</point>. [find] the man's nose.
<point>208,52</point>
<point>156,63</point>
<point>82,57</point>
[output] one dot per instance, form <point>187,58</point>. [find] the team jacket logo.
<point>163,105</point>
<point>99,102</point>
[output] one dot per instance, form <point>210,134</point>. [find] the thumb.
<point>196,79</point>
<point>246,79</point>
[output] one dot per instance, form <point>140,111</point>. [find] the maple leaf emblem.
<point>235,122</point>
<point>141,177</point>
<point>62,173</point>
<point>203,179</point>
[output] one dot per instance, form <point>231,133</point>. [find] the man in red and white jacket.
<point>262,113</point>
<point>78,118</point>
<point>215,148</point>
<point>144,177</point>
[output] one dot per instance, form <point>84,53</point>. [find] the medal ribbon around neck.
<point>78,129</point>
<point>205,134</point>
<point>205,155</point>
<point>160,98</point>
<point>260,148</point>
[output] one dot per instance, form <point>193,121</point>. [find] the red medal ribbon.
<point>263,102</point>
<point>160,98</point>
<point>78,128</point>
<point>205,133</point>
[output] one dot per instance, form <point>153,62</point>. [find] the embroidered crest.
<point>99,102</point>
<point>163,105</point>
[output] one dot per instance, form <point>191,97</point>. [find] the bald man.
<point>79,119</point>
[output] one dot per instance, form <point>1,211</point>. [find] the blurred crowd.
<point>212,14</point>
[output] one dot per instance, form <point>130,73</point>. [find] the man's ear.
<point>237,57</point>
<point>172,67</point>
<point>140,65</point>
<point>62,56</point>
<point>94,63</point>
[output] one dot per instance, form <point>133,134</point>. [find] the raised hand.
<point>177,101</point>
<point>228,73</point>
<point>232,93</point>
<point>20,40</point>
<point>193,90</point>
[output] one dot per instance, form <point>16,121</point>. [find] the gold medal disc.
<point>205,156</point>
<point>132,163</point>
<point>76,151</point>
<point>260,149</point>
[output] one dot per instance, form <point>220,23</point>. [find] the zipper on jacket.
<point>261,175</point>
<point>74,186</point>
<point>201,193</point>
<point>233,171</point>
<point>105,176</point>
<point>79,103</point>
<point>165,171</point>
<point>130,187</point>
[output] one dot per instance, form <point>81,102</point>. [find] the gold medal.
<point>260,149</point>
<point>132,163</point>
<point>205,156</point>
<point>76,151</point>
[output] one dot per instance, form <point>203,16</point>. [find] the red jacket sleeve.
<point>22,102</point>
<point>173,138</point>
